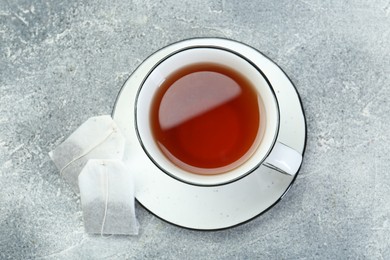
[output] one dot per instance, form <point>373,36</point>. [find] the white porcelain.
<point>269,121</point>
<point>249,191</point>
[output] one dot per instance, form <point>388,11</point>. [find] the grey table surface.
<point>62,62</point>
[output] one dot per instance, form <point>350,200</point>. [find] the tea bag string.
<point>107,134</point>
<point>106,200</point>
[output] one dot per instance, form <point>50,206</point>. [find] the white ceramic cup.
<point>267,151</point>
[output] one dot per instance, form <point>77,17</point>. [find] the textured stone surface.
<point>62,62</point>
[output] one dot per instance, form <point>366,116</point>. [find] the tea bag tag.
<point>107,198</point>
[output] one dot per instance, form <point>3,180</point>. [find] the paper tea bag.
<point>107,198</point>
<point>97,138</point>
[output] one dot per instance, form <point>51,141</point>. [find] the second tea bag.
<point>107,198</point>
<point>97,138</point>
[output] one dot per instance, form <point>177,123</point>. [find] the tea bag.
<point>97,138</point>
<point>107,198</point>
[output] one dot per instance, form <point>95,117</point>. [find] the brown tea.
<point>205,118</point>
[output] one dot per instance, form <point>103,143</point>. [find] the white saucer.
<point>210,208</point>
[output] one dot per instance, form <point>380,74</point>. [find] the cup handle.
<point>283,159</point>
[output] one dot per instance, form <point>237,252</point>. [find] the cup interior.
<point>269,119</point>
